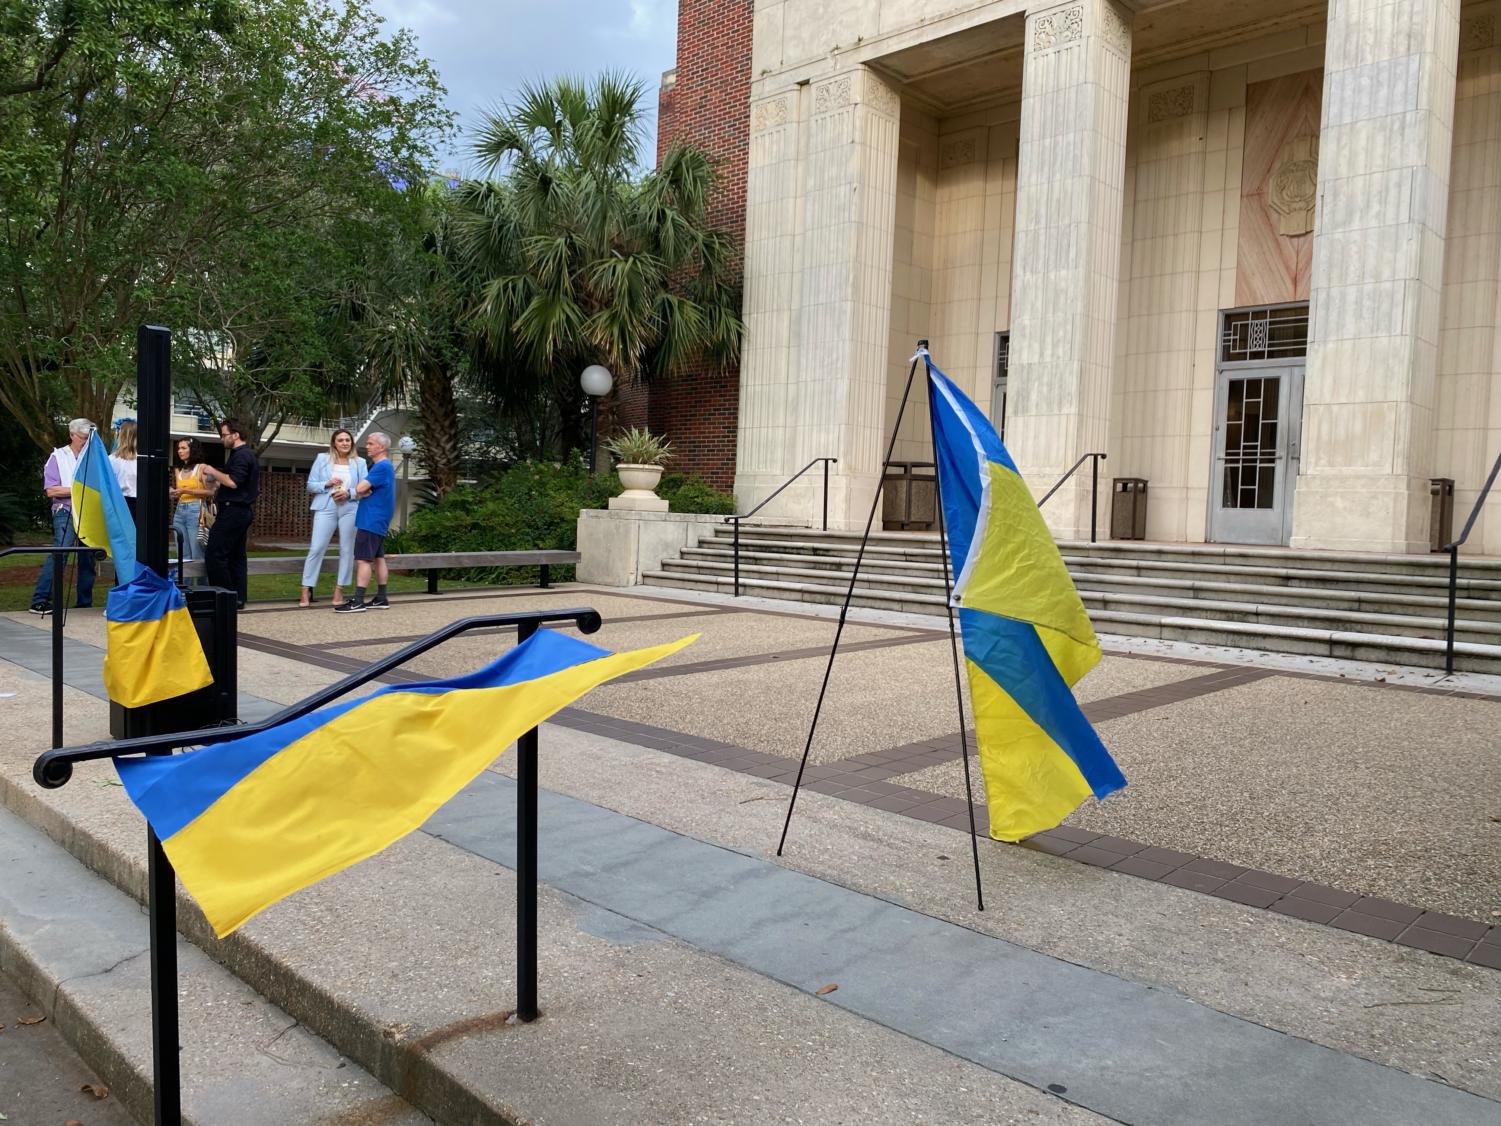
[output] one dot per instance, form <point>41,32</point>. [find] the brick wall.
<point>281,509</point>
<point>706,102</point>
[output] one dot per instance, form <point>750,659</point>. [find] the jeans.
<point>185,521</point>
<point>341,516</point>
<point>225,554</point>
<point>64,536</point>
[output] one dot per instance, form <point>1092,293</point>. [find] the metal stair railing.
<point>735,520</point>
<point>1453,550</point>
<point>54,769</point>
<point>1094,490</point>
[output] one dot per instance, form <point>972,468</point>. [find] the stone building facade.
<point>1252,252</point>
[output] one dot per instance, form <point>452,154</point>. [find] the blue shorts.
<point>368,545</point>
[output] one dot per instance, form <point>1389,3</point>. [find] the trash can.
<point>213,612</point>
<point>1441,518</point>
<point>1128,509</point>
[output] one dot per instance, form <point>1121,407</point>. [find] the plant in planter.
<point>639,458</point>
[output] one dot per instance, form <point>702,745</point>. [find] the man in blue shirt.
<point>372,520</point>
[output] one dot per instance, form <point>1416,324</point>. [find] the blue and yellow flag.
<point>100,515</point>
<point>1027,637</point>
<point>152,651</point>
<point>250,822</point>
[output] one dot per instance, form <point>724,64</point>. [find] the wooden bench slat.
<point>424,561</point>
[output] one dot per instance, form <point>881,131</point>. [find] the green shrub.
<point>530,506</point>
<point>684,492</point>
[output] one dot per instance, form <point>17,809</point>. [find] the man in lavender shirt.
<point>57,483</point>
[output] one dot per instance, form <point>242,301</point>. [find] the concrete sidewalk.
<point>682,965</point>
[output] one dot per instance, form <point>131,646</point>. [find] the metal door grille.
<point>998,393</point>
<point>1251,424</point>
<point>1279,333</point>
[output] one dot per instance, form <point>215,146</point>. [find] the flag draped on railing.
<point>1027,637</point>
<point>152,651</point>
<point>249,822</point>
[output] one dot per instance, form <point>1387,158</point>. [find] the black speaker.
<point>213,612</point>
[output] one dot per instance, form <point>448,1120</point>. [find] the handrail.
<point>735,520</point>
<point>59,616</point>
<point>1094,490</point>
<point>1453,550</point>
<point>54,768</point>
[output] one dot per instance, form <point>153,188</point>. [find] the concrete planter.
<point>640,480</point>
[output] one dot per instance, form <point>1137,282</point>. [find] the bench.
<point>430,561</point>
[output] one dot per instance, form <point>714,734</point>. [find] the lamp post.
<point>406,446</point>
<point>596,381</point>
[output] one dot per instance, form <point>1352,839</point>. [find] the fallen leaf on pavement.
<point>31,1020</point>
<point>824,989</point>
<point>98,1090</point>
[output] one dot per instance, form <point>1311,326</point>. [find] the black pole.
<point>948,604</point>
<point>826,494</point>
<point>875,501</point>
<point>737,556</point>
<point>526,864</point>
<point>1094,492</point>
<point>161,886</point>
<point>1453,595</point>
<point>59,590</point>
<point>153,401</point>
<point>154,406</point>
<point>593,430</point>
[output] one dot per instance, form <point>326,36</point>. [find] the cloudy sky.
<point>485,49</point>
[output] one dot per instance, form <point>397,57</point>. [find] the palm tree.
<point>579,258</point>
<point>412,338</point>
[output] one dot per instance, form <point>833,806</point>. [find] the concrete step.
<point>902,601</point>
<point>1299,598</point>
<point>1468,586</point>
<point>1406,625</point>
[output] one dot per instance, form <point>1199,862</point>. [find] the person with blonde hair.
<point>122,460</point>
<point>57,485</point>
<point>334,482</point>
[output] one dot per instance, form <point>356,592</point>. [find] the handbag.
<point>205,520</point>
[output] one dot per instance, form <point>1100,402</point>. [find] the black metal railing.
<point>735,520</point>
<point>55,767</point>
<point>1453,550</point>
<point>59,616</point>
<point>1094,490</point>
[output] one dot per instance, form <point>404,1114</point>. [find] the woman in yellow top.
<point>191,488</point>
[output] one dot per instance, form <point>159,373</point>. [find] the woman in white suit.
<point>332,482</point>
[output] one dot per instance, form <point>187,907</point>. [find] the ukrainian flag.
<point>152,651</point>
<point>1027,638</point>
<point>250,822</point>
<point>100,515</point>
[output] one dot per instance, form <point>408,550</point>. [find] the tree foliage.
<point>580,259</point>
<point>212,164</point>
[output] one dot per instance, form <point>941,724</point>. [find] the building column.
<point>820,230</point>
<point>1378,259</point>
<point>1066,261</point>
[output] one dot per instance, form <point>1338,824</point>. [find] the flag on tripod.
<point>1027,637</point>
<point>152,651</point>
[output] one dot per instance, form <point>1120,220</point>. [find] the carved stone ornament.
<point>1478,33</point>
<point>1164,105</point>
<point>1115,31</point>
<point>1058,28</point>
<point>1292,190</point>
<point>768,115</point>
<point>832,95</point>
<point>881,98</point>
<point>955,153</point>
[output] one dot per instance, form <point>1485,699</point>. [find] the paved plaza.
<point>1290,914</point>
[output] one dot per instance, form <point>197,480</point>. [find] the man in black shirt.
<point>239,481</point>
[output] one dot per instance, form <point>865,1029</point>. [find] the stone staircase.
<point>1388,609</point>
